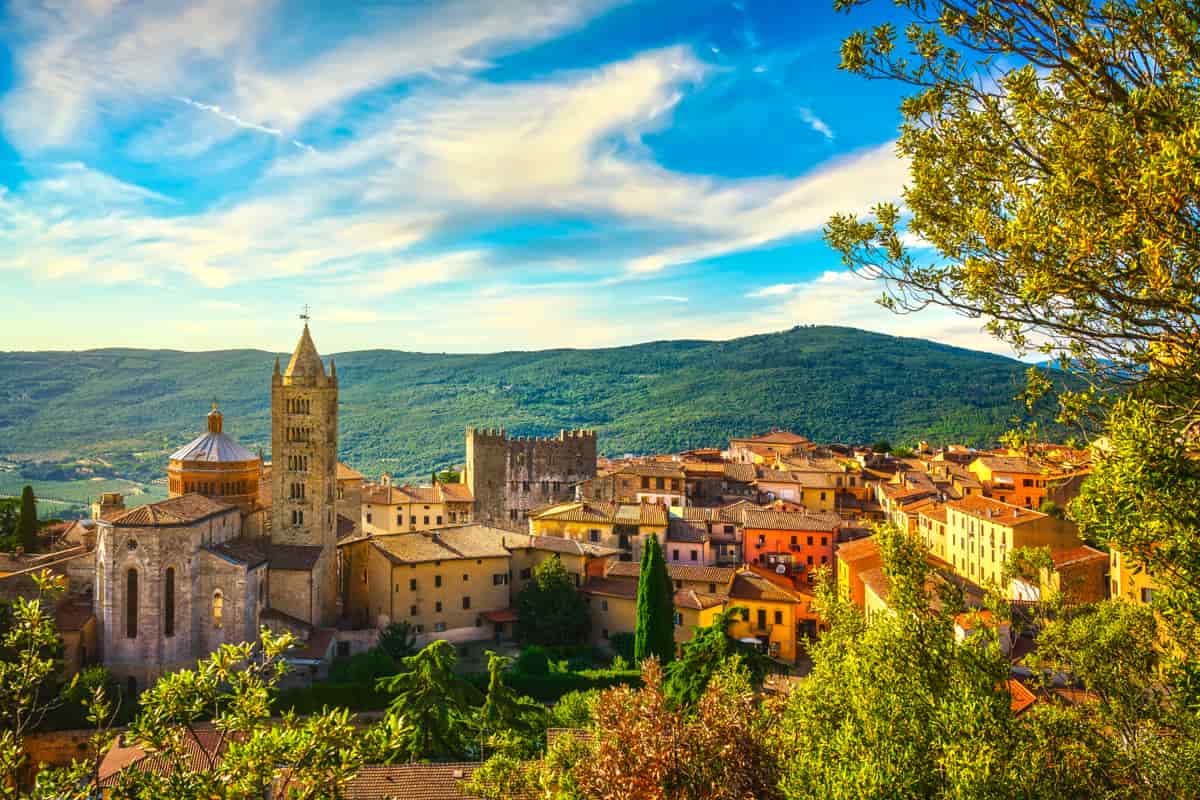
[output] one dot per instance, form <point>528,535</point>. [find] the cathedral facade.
<point>237,545</point>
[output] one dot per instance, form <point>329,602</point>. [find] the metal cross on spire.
<point>304,315</point>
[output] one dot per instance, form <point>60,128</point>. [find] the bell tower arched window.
<point>218,609</point>
<point>131,603</point>
<point>169,602</point>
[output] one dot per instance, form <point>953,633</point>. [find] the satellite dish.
<point>781,569</point>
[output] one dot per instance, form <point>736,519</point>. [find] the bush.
<point>533,661</point>
<point>551,687</point>
<point>622,645</point>
<point>311,699</point>
<point>363,668</point>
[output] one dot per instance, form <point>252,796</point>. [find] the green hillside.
<point>405,412</point>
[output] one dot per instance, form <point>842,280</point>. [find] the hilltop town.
<point>303,543</point>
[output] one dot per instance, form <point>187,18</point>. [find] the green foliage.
<point>882,446</point>
<point>828,383</point>
<point>551,611</point>
<point>574,709</point>
<point>432,704</point>
<point>655,632</point>
<point>398,640</point>
<point>363,668</point>
<point>505,712</point>
<point>311,699</point>
<point>27,522</point>
<point>622,644</point>
<point>533,660</point>
<point>552,687</point>
<point>10,512</point>
<point>705,654</point>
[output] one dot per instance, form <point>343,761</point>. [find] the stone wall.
<point>290,593</point>
<point>510,476</point>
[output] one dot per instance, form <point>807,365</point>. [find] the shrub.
<point>363,668</point>
<point>311,699</point>
<point>533,661</point>
<point>622,645</point>
<point>549,688</point>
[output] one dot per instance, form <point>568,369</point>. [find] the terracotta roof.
<point>293,557</point>
<point>791,521</point>
<point>558,544</point>
<point>678,572</point>
<point>242,550</point>
<point>602,512</point>
<point>502,615</point>
<point>316,647</point>
<point>985,508</point>
<point>183,510</point>
<point>410,782</point>
<point>196,753</point>
<point>858,550</point>
<point>776,437</point>
<point>456,492</point>
<point>1073,555</point>
<point>652,470</point>
<point>611,587</point>
<point>73,616</point>
<point>743,473</point>
<point>690,598</point>
<point>286,620</point>
<point>1019,465</point>
<point>347,473</point>
<point>442,544</point>
<point>1022,698</point>
<point>935,512</point>
<point>345,527</point>
<point>748,586</point>
<point>681,530</point>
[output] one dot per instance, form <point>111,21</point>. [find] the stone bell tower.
<point>304,446</point>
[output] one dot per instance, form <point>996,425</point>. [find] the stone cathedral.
<point>237,545</point>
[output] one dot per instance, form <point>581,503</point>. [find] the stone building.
<point>509,477</point>
<point>304,442</point>
<point>174,581</point>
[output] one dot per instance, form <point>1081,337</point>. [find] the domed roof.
<point>214,447</point>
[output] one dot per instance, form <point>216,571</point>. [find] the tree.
<point>705,654</point>
<point>10,514</point>
<point>882,446</point>
<point>433,705</point>
<point>398,640</point>
<point>655,632</point>
<point>27,524</point>
<point>1052,150</point>
<point>551,611</point>
<point>505,711</point>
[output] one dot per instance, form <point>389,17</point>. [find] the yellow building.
<point>931,524</point>
<point>387,508</point>
<point>983,532</point>
<point>778,617</point>
<point>438,581</point>
<point>623,527</point>
<point>1128,582</point>
<point>612,606</point>
<point>581,560</point>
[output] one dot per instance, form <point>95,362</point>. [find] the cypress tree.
<point>655,634</point>
<point>27,524</point>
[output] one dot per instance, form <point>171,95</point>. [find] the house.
<point>612,607</point>
<point>814,490</point>
<point>791,544</point>
<point>853,560</point>
<point>641,482</point>
<point>1129,581</point>
<point>439,581</point>
<point>931,524</point>
<point>1017,480</point>
<point>623,526</point>
<point>387,508</point>
<point>766,448</point>
<point>689,542</point>
<point>581,560</point>
<point>983,532</point>
<point>777,616</point>
<point>971,624</point>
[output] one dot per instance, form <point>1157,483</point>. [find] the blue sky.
<point>467,175</point>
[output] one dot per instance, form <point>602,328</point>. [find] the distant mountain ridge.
<point>405,412</point>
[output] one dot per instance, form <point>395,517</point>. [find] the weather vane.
<point>305,316</point>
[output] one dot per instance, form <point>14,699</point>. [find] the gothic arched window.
<point>131,603</point>
<point>169,602</point>
<point>218,609</point>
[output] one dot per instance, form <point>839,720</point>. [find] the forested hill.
<point>405,412</point>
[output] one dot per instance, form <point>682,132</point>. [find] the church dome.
<point>215,465</point>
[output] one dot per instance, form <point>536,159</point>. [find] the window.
<point>678,619</point>
<point>604,632</point>
<point>745,615</point>
<point>437,580</point>
<point>412,611</point>
<point>762,619</point>
<point>343,649</point>
<point>694,555</point>
<point>412,520</point>
<point>1147,595</point>
<point>824,559</point>
<point>526,574</point>
<point>604,607</point>
<point>438,627</point>
<point>437,607</point>
<point>412,584</point>
<point>466,603</point>
<point>131,603</point>
<point>218,609</point>
<point>675,554</point>
<point>822,495</point>
<point>593,536</point>
<point>645,485</point>
<point>499,579</point>
<point>810,540</point>
<point>810,561</point>
<point>778,617</point>
<point>824,541</point>
<point>169,602</point>
<point>712,588</point>
<point>439,520</point>
<point>368,517</point>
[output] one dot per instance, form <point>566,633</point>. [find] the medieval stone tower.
<point>304,446</point>
<point>511,476</point>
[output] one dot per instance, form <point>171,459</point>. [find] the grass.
<point>56,497</point>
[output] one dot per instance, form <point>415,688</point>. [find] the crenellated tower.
<point>304,446</point>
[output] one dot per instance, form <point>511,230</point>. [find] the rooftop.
<point>186,509</point>
<point>985,508</point>
<point>678,572</point>
<point>791,521</point>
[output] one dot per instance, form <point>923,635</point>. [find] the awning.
<point>502,616</point>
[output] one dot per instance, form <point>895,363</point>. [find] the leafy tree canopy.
<point>552,612</point>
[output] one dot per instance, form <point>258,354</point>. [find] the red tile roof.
<point>678,572</point>
<point>410,782</point>
<point>858,550</point>
<point>1075,555</point>
<point>186,509</point>
<point>985,508</point>
<point>1022,698</point>
<point>748,586</point>
<point>791,521</point>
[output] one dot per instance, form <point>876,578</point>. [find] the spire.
<point>276,365</point>
<point>306,362</point>
<point>216,422</point>
<point>332,368</point>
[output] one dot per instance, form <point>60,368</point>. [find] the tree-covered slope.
<point>405,412</point>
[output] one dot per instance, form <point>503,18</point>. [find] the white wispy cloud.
<point>234,118</point>
<point>774,290</point>
<point>670,298</point>
<point>809,117</point>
